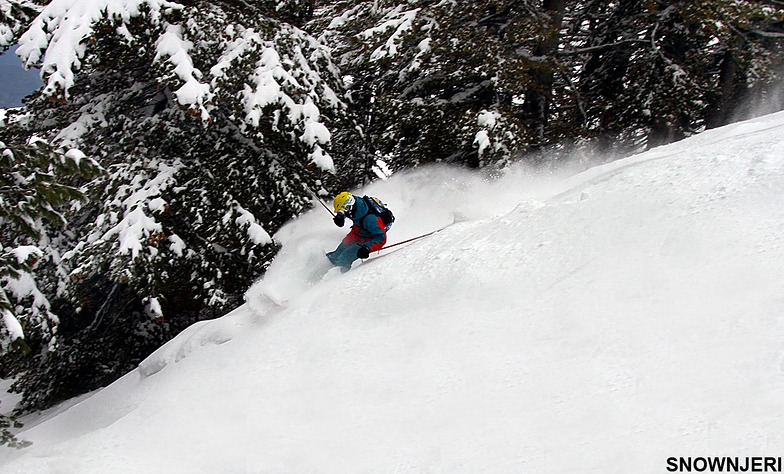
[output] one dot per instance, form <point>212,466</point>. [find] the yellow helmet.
<point>344,202</point>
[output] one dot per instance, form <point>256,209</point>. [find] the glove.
<point>363,252</point>
<point>339,219</point>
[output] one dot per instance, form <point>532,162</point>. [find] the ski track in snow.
<point>598,323</point>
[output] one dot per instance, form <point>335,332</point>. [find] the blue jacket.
<point>367,225</point>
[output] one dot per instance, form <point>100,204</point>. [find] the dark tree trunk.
<point>536,108</point>
<point>721,113</point>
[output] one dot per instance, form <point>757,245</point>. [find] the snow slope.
<point>597,323</point>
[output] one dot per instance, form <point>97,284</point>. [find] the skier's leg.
<point>345,254</point>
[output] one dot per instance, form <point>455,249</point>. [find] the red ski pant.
<point>353,237</point>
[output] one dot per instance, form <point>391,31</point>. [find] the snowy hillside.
<point>598,323</point>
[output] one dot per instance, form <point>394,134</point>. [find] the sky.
<point>15,81</point>
<point>603,321</point>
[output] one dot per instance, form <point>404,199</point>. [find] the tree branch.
<point>591,49</point>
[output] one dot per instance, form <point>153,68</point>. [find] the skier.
<point>368,234</point>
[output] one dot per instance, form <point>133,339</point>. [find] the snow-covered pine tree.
<point>34,187</point>
<point>213,122</point>
<point>746,41</point>
<point>481,82</point>
<point>652,72</point>
<point>440,80</point>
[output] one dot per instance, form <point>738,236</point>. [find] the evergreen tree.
<point>441,80</point>
<point>482,83</point>
<point>212,121</point>
<point>653,72</point>
<point>33,185</point>
<point>746,51</point>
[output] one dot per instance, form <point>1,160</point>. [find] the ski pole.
<point>410,240</point>
<point>322,203</point>
<point>325,207</point>
<point>415,238</point>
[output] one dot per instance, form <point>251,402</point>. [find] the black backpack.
<point>380,209</point>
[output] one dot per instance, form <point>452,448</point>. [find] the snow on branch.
<point>193,92</point>
<point>13,15</point>
<point>487,120</point>
<point>275,78</point>
<point>21,284</point>
<point>57,38</point>
<point>24,252</point>
<point>282,78</point>
<point>137,227</point>
<point>400,21</point>
<point>256,232</point>
<point>133,230</point>
<point>12,325</point>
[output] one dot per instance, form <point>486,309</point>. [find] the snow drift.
<point>597,323</point>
